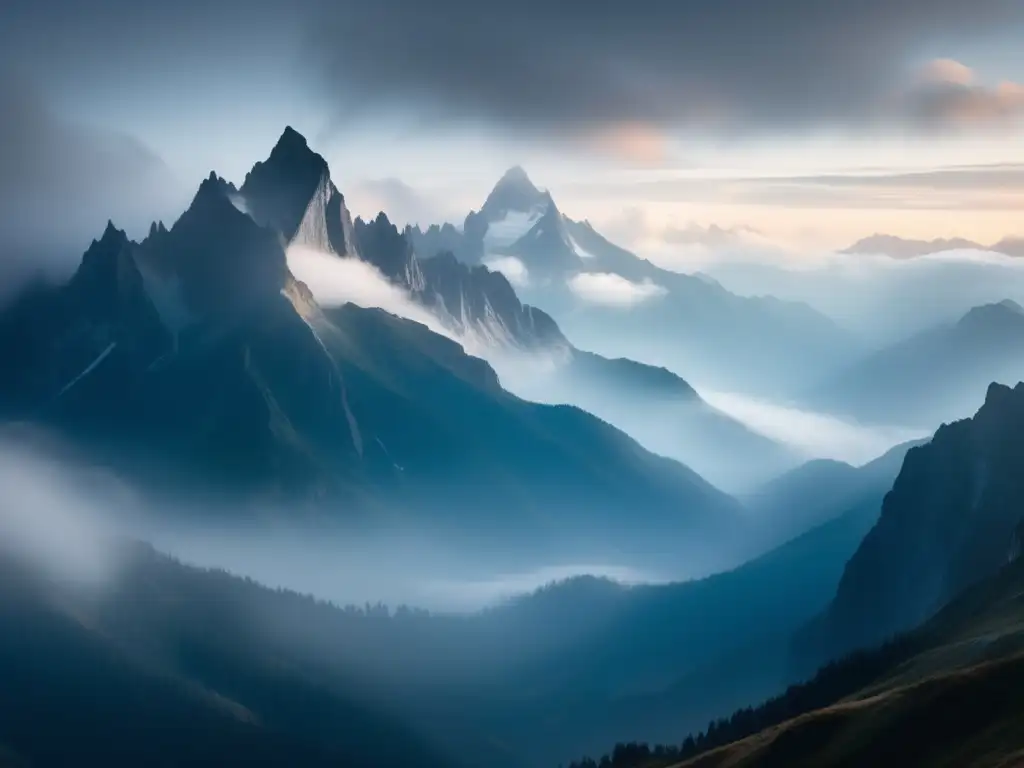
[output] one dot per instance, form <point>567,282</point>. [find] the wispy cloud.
<point>815,435</point>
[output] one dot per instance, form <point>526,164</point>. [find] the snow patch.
<point>505,232</point>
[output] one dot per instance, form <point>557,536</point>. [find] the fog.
<point>880,298</point>
<point>55,517</point>
<point>335,281</point>
<point>814,435</point>
<point>69,521</point>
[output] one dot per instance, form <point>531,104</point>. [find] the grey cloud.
<point>60,182</point>
<point>579,66</point>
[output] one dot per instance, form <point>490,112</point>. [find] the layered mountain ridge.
<point>935,376</point>
<point>902,248</point>
<point>555,256</point>
<point>196,349</point>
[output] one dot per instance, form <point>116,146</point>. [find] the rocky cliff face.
<point>952,516</point>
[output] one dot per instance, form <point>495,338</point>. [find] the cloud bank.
<point>815,435</point>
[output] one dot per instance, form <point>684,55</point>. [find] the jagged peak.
<point>291,138</point>
<point>293,151</point>
<point>111,234</point>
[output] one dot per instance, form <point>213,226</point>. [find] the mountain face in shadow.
<point>949,521</point>
<point>523,684</point>
<point>931,377</point>
<point>194,356</point>
<point>787,343</point>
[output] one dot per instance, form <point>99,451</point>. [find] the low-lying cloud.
<point>815,435</point>
<point>335,281</point>
<point>612,290</point>
<point>512,268</point>
<point>54,517</point>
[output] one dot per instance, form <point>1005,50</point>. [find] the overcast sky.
<point>811,121</point>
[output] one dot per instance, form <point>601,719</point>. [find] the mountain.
<point>819,491</point>
<point>666,415</point>
<point>195,359</point>
<point>950,521</point>
<point>481,305</point>
<point>900,248</point>
<point>929,378</point>
<point>94,678</point>
<point>962,669</point>
<point>556,259</point>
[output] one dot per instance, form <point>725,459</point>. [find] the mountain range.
<point>933,377</point>
<point>200,366</point>
<point>197,350</point>
<point>926,627</point>
<point>901,248</point>
<point>607,298</point>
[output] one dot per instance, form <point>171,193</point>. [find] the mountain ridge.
<point>902,248</point>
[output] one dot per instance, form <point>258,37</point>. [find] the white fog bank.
<point>815,435</point>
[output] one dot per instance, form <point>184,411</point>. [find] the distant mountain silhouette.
<point>901,248</point>
<point>713,329</point>
<point>819,491</point>
<point>666,414</point>
<point>951,520</point>
<point>931,377</point>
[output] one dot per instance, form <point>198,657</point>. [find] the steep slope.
<point>946,694</point>
<point>712,329</point>
<point>949,521</point>
<point>933,377</point>
<point>481,305</point>
<point>222,369</point>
